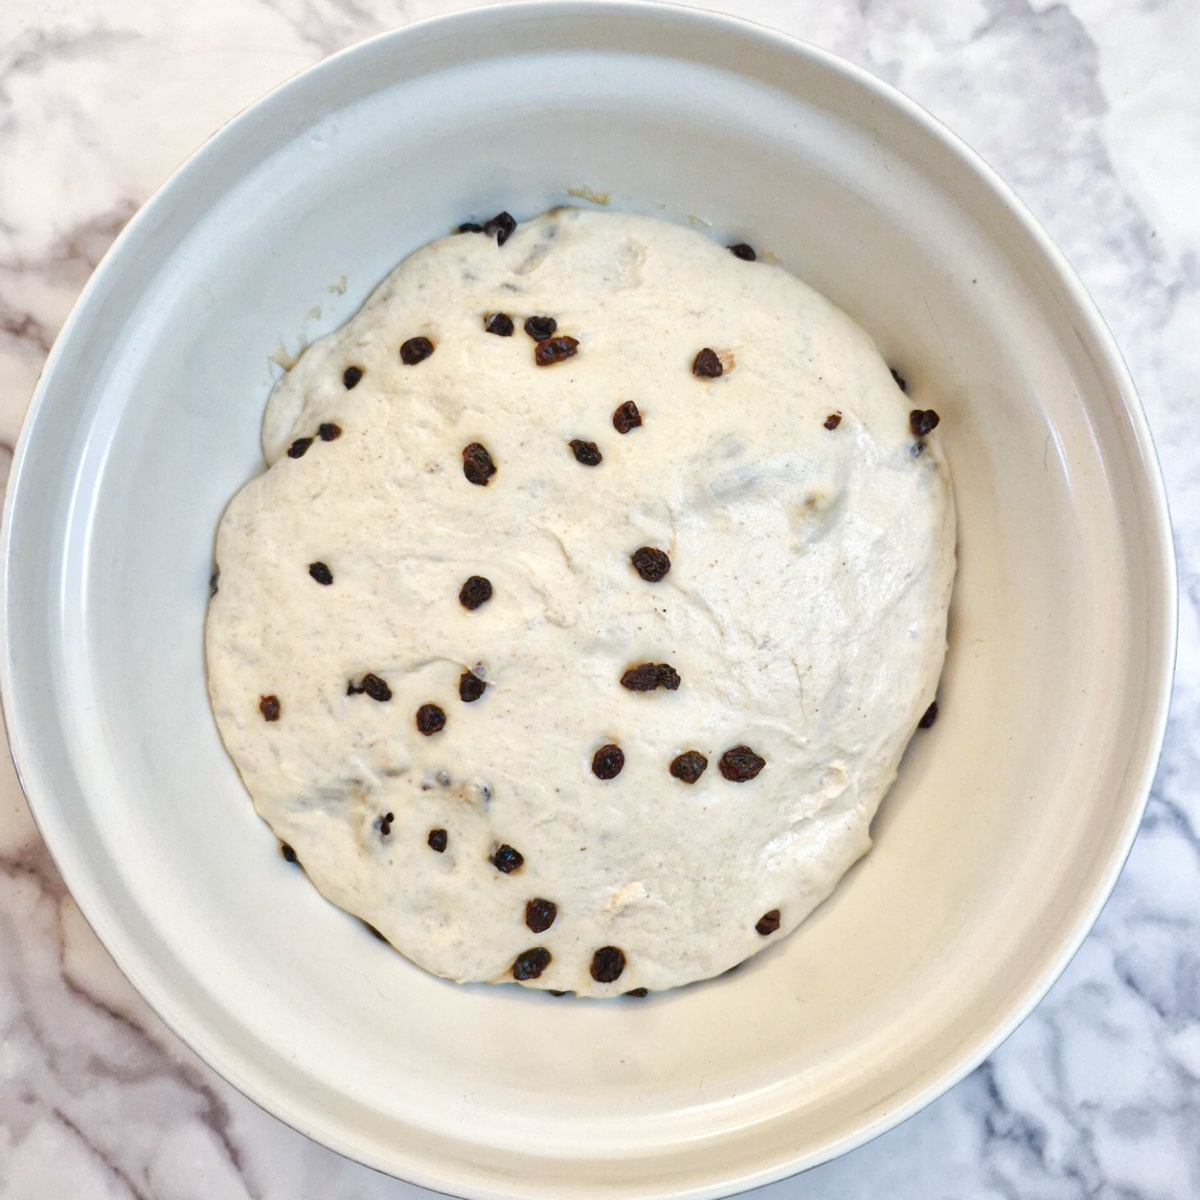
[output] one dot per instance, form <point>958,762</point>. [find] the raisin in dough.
<point>804,610</point>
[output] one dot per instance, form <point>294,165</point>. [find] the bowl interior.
<point>1010,818</point>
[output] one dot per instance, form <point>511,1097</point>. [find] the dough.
<point>533,696</point>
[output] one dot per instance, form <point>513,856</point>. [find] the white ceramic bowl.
<point>1011,819</point>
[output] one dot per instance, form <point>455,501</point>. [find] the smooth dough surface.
<point>804,610</point>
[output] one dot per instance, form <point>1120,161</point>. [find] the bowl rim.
<point>1092,331</point>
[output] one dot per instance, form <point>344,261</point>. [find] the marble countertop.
<point>1091,109</point>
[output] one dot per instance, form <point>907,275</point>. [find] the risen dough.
<point>804,610</point>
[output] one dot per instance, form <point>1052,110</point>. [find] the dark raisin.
<point>372,930</point>
<point>385,824</point>
<point>741,764</point>
<point>651,564</point>
<point>743,251</point>
<point>688,766</point>
<point>437,840</point>
<point>587,453</point>
<point>372,686</point>
<point>269,707</point>
<point>706,364</point>
<point>931,715</point>
<point>501,324</point>
<point>299,448</point>
<point>531,963</point>
<point>430,719</point>
<point>506,860</point>
<point>668,677</point>
<point>470,227</point>
<point>321,573</point>
<point>500,227</point>
<point>901,382</point>
<point>540,914</point>
<point>214,583</point>
<point>540,328</point>
<point>833,420</point>
<point>608,761</point>
<point>556,992</point>
<point>329,431</point>
<point>476,591</point>
<point>626,417</point>
<point>288,853</point>
<point>554,350</point>
<point>470,687</point>
<point>922,421</point>
<point>607,964</point>
<point>642,678</point>
<point>415,350</point>
<point>645,677</point>
<point>477,464</point>
<point>638,993</point>
<point>351,377</point>
<point>768,923</point>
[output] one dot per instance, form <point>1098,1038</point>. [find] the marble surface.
<point>1091,108</point>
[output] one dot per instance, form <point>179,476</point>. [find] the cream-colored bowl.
<point>1011,818</point>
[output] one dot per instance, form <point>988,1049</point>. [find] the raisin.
<point>688,766</point>
<point>626,417</point>
<point>531,963</point>
<point>214,583</point>
<point>351,377</point>
<point>269,707</point>
<point>540,328</point>
<point>607,964</point>
<point>288,853</point>
<point>470,687</point>
<point>922,421</point>
<point>477,464</point>
<point>638,993</point>
<point>329,431</point>
<point>430,719</point>
<point>931,715</point>
<point>415,350</point>
<point>743,251</point>
<point>501,324</point>
<point>372,930</point>
<point>651,564</point>
<point>768,923</point>
<point>385,824</point>
<point>506,860</point>
<point>706,364</point>
<point>554,350</point>
<point>608,761</point>
<point>299,448</point>
<point>437,840</point>
<point>469,227</point>
<point>540,914</point>
<point>476,591</point>
<point>901,382</point>
<point>373,686</point>
<point>668,677</point>
<point>556,992</point>
<point>321,573</point>
<point>587,453</point>
<point>741,764</point>
<point>833,420</point>
<point>500,227</point>
<point>645,677</point>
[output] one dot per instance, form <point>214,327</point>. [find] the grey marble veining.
<point>1091,109</point>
